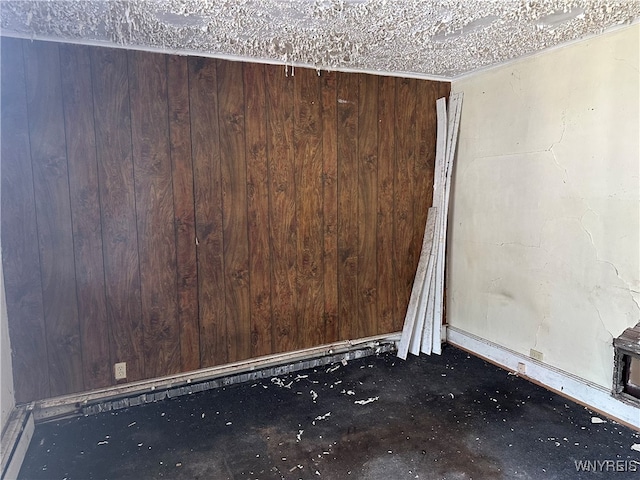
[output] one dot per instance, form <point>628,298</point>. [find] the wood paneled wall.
<point>176,213</point>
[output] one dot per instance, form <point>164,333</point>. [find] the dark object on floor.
<point>626,366</point>
<point>440,417</point>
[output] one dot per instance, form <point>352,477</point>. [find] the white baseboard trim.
<point>575,388</point>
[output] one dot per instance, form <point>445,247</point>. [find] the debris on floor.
<point>499,426</point>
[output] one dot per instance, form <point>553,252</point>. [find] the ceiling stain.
<point>441,39</point>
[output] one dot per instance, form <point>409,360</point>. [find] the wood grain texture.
<point>282,194</point>
<point>405,249</point>
<point>308,167</point>
<point>348,311</point>
<point>330,203</point>
<point>154,212</point>
<point>75,66</point>
<point>117,196</point>
<point>55,233</point>
<point>234,208</point>
<point>258,209</point>
<point>20,257</point>
<point>184,211</point>
<point>387,281</point>
<point>207,189</point>
<point>201,211</point>
<point>367,324</point>
<point>444,89</point>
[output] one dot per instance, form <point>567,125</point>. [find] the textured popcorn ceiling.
<point>428,38</point>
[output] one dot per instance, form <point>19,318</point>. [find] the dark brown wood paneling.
<point>387,281</point>
<point>117,196</point>
<point>282,196</point>
<point>258,209</point>
<point>308,168</point>
<point>348,311</point>
<point>234,208</point>
<point>55,235</point>
<point>194,211</point>
<point>20,258</point>
<point>184,211</point>
<point>208,205</point>
<point>367,206</point>
<point>330,203</point>
<point>154,212</point>
<point>444,89</point>
<point>405,254</point>
<point>75,66</point>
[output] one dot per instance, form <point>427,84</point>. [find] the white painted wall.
<point>545,215</point>
<point>7,401</point>
<point>7,397</point>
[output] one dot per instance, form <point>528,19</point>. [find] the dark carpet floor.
<point>440,417</point>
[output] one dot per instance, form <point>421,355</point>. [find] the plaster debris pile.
<point>423,321</point>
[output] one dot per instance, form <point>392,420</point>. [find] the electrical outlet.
<point>522,368</point>
<point>120,370</point>
<point>536,355</point>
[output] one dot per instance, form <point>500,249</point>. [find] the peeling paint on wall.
<point>436,38</point>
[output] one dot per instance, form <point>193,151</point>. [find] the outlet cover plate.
<point>120,370</point>
<point>536,355</point>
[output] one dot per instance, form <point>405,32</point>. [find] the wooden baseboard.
<point>146,391</point>
<point>570,386</point>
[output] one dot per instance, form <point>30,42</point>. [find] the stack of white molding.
<point>422,324</point>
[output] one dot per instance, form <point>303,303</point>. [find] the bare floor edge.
<point>449,416</point>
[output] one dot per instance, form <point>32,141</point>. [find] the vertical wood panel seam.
<point>417,237</point>
<point>357,232</point>
<point>339,297</point>
<point>173,202</point>
<point>33,186</point>
<point>195,219</point>
<point>376,320</point>
<point>104,260</point>
<point>269,207</point>
<point>292,150</point>
<point>246,205</point>
<point>73,238</point>
<point>135,211</point>
<point>221,206</point>
<point>394,224</point>
<point>193,191</point>
<point>322,209</point>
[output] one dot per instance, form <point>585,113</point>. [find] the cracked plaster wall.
<point>545,214</point>
<point>434,38</point>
